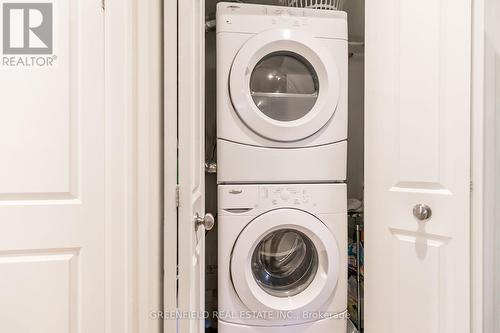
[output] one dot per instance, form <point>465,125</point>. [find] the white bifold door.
<point>52,170</point>
<point>191,166</point>
<point>418,81</point>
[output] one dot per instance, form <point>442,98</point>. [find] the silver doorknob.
<point>422,212</point>
<point>208,221</point>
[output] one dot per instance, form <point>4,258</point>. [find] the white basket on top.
<point>317,4</point>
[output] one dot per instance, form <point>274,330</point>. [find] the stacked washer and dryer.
<point>282,155</point>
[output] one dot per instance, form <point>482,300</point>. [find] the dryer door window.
<point>284,86</point>
<point>285,262</point>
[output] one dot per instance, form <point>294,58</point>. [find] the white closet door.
<point>191,145</point>
<point>52,178</point>
<point>418,84</point>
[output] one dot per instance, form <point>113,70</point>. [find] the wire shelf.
<point>317,4</point>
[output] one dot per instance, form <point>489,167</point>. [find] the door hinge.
<point>177,196</point>
<point>103,4</point>
<point>471,186</point>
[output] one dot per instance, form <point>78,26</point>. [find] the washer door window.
<point>284,85</point>
<point>285,263</point>
<point>285,260</point>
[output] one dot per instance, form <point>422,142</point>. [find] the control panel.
<point>284,11</point>
<point>251,18</point>
<point>257,199</point>
<point>284,196</point>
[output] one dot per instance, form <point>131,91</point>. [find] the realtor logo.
<point>27,28</point>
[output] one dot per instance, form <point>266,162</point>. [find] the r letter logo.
<point>27,28</point>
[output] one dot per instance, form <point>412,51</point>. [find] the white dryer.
<point>282,258</point>
<point>281,94</point>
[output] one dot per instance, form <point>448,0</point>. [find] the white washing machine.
<point>282,258</point>
<point>281,94</point>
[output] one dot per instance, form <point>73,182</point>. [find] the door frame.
<point>119,274</point>
<point>170,232</point>
<point>134,98</point>
<point>477,166</point>
<point>148,62</point>
<point>483,229</point>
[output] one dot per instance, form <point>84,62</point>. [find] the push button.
<point>285,195</point>
<point>285,12</point>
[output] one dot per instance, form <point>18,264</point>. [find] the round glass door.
<point>285,260</point>
<point>285,263</point>
<point>284,86</point>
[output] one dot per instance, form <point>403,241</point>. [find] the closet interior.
<point>355,159</point>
